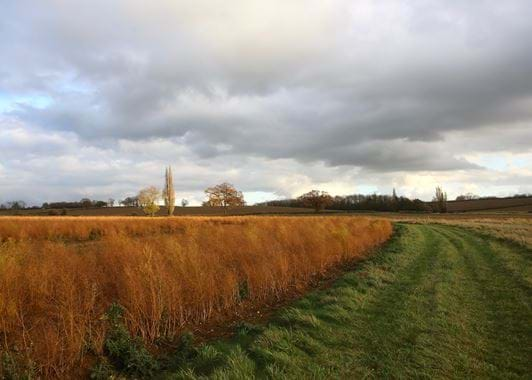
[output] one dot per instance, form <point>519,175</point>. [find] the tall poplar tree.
<point>440,200</point>
<point>169,191</point>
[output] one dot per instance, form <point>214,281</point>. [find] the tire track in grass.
<point>400,314</point>
<point>467,318</point>
<point>505,296</point>
<point>429,330</point>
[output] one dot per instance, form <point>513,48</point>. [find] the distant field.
<point>135,211</point>
<point>492,205</point>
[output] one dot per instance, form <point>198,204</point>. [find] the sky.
<point>278,97</point>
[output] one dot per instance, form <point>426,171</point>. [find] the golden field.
<point>515,227</point>
<point>59,275</point>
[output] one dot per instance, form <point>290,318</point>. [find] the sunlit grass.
<point>58,276</point>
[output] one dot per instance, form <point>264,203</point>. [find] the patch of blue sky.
<point>519,161</point>
<point>252,197</point>
<point>74,86</point>
<point>493,162</point>
<point>10,103</point>
<point>366,189</point>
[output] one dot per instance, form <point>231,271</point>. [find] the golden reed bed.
<point>58,276</point>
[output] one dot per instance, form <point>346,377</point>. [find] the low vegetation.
<point>439,302</point>
<point>59,277</point>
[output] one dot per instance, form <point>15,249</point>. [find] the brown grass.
<point>515,227</point>
<point>59,275</point>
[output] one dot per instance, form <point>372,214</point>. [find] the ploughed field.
<point>491,205</point>
<point>89,292</point>
<point>178,211</point>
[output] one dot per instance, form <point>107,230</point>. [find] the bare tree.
<point>184,202</point>
<point>467,197</point>
<point>130,202</point>
<point>440,199</point>
<point>148,198</point>
<point>224,195</point>
<point>169,191</point>
<point>110,202</point>
<point>316,199</point>
<point>16,205</point>
<point>86,203</point>
<point>394,201</point>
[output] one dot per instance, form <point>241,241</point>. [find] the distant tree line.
<point>225,195</point>
<point>83,203</point>
<point>378,202</point>
<point>13,205</point>
<point>130,202</point>
<point>471,196</point>
<point>354,202</point>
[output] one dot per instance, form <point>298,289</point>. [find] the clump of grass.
<point>14,367</point>
<point>128,354</point>
<point>246,328</point>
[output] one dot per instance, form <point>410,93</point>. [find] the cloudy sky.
<point>277,97</point>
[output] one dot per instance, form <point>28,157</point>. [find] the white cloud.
<point>279,97</point>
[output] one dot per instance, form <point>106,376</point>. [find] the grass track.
<point>437,302</point>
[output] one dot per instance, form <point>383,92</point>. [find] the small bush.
<point>11,368</point>
<point>243,290</point>
<point>186,349</point>
<point>95,234</point>
<point>103,370</point>
<point>245,328</point>
<point>128,354</point>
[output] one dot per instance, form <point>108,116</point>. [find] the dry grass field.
<point>515,227</point>
<point>59,276</point>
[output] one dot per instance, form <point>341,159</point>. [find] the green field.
<point>438,302</point>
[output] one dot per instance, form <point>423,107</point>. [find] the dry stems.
<point>59,275</point>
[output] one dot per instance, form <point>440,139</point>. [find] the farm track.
<point>438,302</point>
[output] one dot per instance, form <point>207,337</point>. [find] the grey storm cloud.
<point>374,85</point>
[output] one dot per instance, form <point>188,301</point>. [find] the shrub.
<point>128,354</point>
